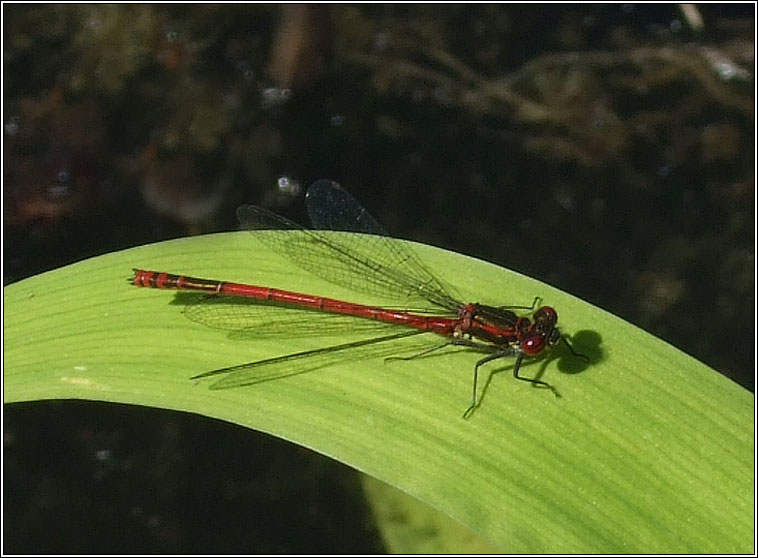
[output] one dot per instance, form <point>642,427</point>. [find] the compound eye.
<point>546,314</point>
<point>533,345</point>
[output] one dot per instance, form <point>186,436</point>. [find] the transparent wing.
<point>306,361</point>
<point>255,319</point>
<point>369,262</point>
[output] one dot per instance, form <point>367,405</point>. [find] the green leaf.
<point>647,450</point>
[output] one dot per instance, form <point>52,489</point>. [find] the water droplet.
<point>288,186</point>
<point>728,71</point>
<point>725,70</point>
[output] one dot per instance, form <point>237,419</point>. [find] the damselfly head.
<point>541,332</point>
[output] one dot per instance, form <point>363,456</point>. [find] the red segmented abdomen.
<point>160,280</point>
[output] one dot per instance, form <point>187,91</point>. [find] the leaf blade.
<point>648,450</point>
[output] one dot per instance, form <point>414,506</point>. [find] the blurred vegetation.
<point>606,149</point>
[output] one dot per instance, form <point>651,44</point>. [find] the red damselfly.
<point>372,263</point>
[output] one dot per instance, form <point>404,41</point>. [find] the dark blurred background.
<point>605,149</point>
